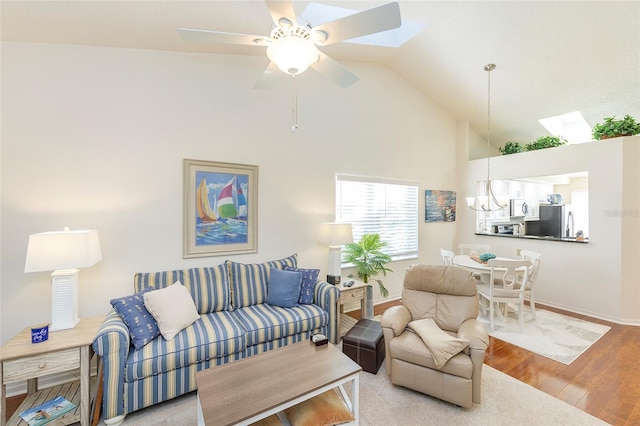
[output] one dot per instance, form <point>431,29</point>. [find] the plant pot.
<point>611,137</point>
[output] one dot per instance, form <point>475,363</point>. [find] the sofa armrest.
<point>474,332</point>
<point>112,344</point>
<point>396,318</point>
<point>326,296</point>
<point>394,321</point>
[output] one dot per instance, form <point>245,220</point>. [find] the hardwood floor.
<point>604,381</point>
<point>13,402</point>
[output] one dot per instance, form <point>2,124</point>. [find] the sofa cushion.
<point>409,347</point>
<point>309,280</point>
<point>173,309</point>
<point>265,322</point>
<point>209,287</point>
<point>142,325</point>
<point>284,288</point>
<point>249,281</point>
<point>213,335</point>
<point>441,345</point>
<point>448,294</point>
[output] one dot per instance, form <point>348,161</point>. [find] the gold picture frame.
<point>220,208</point>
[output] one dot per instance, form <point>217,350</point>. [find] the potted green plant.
<point>612,128</point>
<point>511,148</point>
<point>366,256</point>
<point>545,142</point>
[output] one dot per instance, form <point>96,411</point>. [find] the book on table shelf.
<point>47,411</point>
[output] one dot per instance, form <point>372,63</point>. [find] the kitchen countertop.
<point>533,237</point>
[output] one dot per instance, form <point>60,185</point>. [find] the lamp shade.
<point>292,54</point>
<point>335,234</point>
<point>49,251</point>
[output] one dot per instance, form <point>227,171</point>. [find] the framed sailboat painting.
<point>220,208</point>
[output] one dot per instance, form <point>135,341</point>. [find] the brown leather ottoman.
<point>364,344</point>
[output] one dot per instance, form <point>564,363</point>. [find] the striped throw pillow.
<point>249,281</point>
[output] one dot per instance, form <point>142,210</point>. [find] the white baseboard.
<point>573,309</point>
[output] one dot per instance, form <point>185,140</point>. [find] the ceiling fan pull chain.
<point>294,126</point>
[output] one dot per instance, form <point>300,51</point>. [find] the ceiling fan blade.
<point>224,38</point>
<point>334,70</point>
<point>382,18</point>
<point>317,13</point>
<point>281,9</point>
<point>268,77</point>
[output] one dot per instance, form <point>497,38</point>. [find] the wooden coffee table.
<point>245,391</point>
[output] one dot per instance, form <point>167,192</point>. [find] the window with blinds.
<point>382,206</point>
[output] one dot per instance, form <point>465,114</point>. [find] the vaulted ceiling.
<point>553,57</point>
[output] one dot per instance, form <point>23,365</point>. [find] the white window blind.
<point>380,206</point>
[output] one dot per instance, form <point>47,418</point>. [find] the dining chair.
<point>473,249</point>
<point>534,258</point>
<point>447,257</point>
<point>514,275</point>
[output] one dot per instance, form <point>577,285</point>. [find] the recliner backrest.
<point>447,294</point>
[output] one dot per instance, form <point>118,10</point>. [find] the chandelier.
<point>489,202</point>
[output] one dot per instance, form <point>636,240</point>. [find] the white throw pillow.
<point>173,308</point>
<point>441,345</point>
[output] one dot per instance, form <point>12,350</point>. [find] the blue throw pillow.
<point>309,280</point>
<point>142,326</point>
<point>284,288</point>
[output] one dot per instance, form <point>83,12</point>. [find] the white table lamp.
<point>335,235</point>
<point>63,252</point>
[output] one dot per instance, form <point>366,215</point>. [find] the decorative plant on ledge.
<point>366,256</point>
<point>545,142</point>
<point>612,128</point>
<point>540,143</point>
<point>511,148</point>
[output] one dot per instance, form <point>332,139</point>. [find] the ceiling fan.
<point>293,44</point>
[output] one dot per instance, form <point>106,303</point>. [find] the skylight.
<point>570,126</point>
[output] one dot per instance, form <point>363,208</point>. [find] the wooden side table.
<point>359,291</point>
<point>65,350</point>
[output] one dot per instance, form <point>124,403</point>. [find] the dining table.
<point>475,265</point>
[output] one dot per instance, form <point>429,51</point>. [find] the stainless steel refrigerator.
<point>552,220</point>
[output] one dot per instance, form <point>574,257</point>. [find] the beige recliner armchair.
<point>437,321</point>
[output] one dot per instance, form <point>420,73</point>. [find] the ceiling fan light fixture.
<point>319,36</point>
<point>292,54</point>
<point>262,41</point>
<point>285,23</point>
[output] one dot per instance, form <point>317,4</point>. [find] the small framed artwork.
<point>220,208</point>
<point>439,206</point>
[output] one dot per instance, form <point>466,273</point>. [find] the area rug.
<point>384,404</point>
<point>552,335</point>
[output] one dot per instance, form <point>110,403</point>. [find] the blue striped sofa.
<point>235,322</point>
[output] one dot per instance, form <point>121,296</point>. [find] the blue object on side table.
<point>40,333</point>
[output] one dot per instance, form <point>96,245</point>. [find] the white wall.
<point>598,278</point>
<point>95,138</point>
<point>630,230</point>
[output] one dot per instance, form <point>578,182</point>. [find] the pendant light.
<point>489,202</point>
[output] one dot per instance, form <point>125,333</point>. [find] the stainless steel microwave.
<point>518,207</point>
